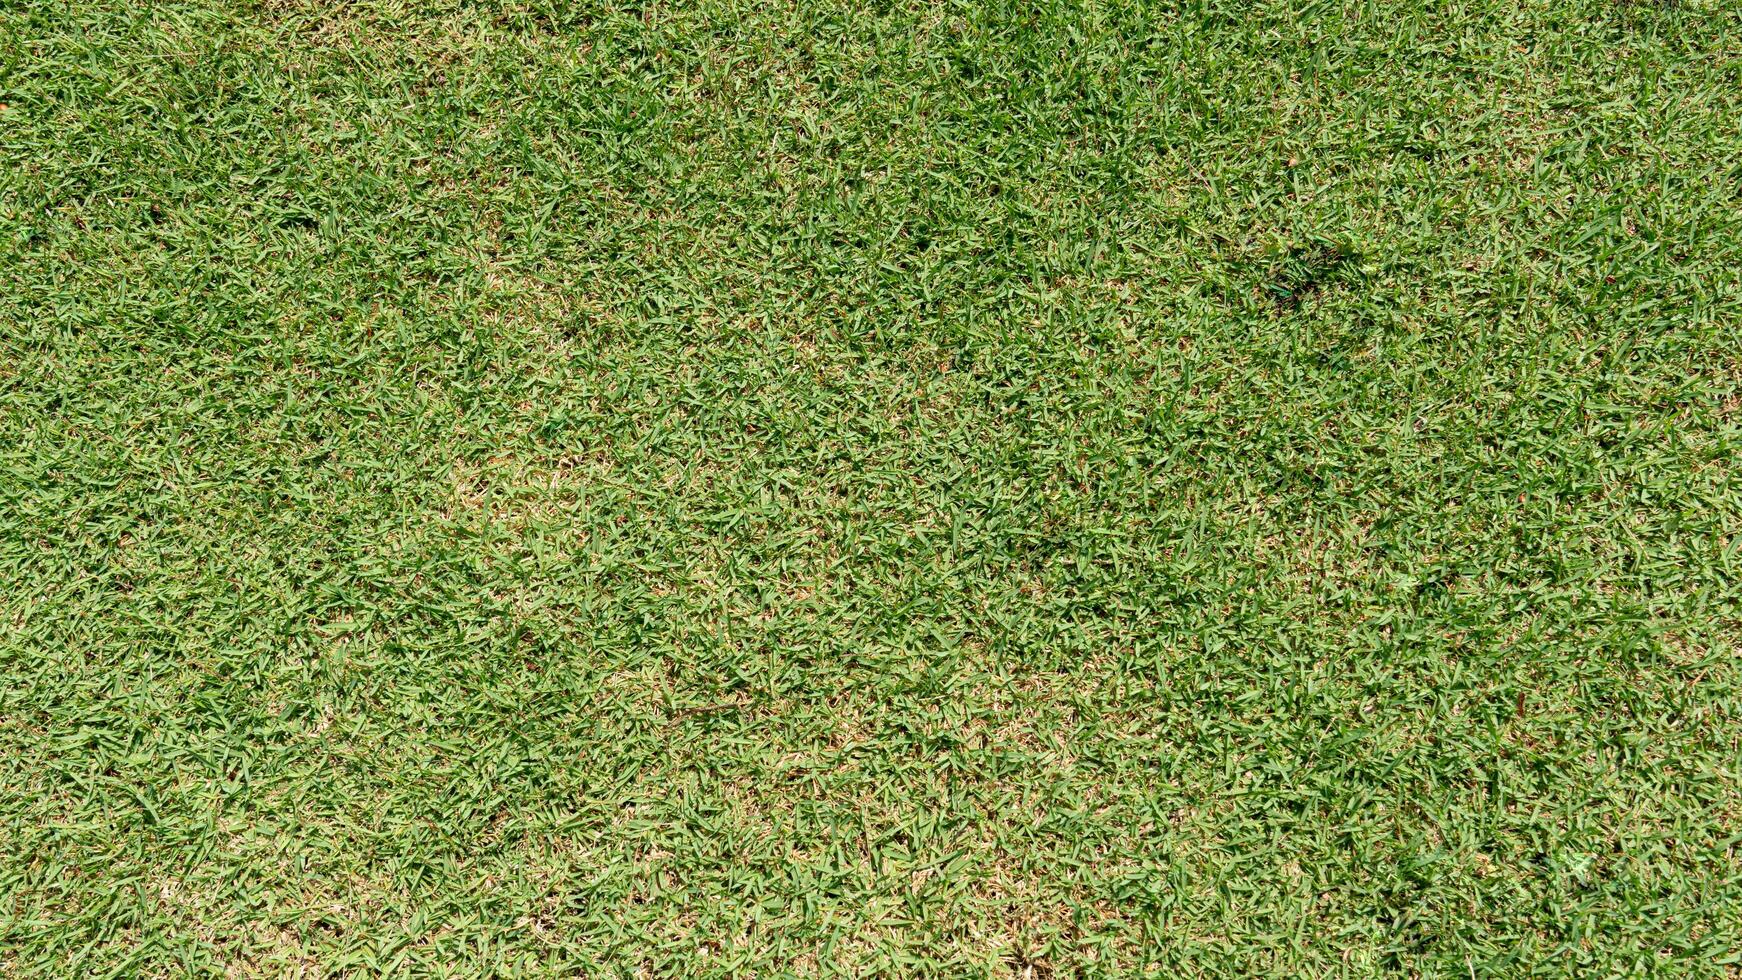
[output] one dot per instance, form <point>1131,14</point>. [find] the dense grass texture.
<point>1078,488</point>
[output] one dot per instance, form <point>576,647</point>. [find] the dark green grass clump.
<point>912,489</point>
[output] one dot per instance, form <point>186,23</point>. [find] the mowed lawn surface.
<point>915,489</point>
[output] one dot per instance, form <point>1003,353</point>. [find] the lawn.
<point>1082,488</point>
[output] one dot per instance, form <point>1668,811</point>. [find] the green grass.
<point>1080,488</point>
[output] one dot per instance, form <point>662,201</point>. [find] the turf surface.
<point>924,489</point>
